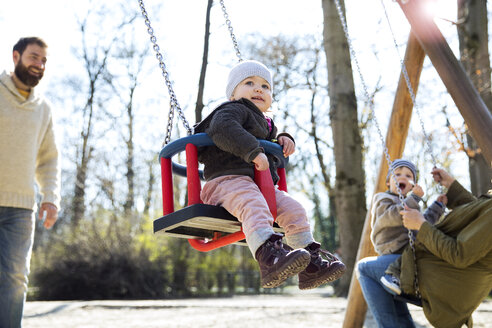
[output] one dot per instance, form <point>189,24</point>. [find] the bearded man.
<point>28,155</point>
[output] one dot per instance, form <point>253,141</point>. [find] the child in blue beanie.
<point>388,235</point>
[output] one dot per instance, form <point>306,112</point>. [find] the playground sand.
<point>297,309</point>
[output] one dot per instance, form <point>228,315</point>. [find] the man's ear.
<point>16,57</point>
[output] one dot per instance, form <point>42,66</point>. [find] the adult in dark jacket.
<point>454,262</point>
<point>229,170</point>
<point>454,257</point>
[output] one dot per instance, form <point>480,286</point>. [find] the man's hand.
<point>261,162</point>
<point>289,147</point>
<point>51,214</point>
<point>442,177</point>
<point>443,199</point>
<point>412,218</point>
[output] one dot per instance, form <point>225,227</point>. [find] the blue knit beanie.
<point>402,163</point>
<point>245,69</point>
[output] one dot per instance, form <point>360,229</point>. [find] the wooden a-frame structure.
<point>425,38</point>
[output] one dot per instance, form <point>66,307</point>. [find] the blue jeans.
<point>16,239</point>
<point>386,311</point>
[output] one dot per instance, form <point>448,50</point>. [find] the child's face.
<point>257,90</point>
<point>404,179</point>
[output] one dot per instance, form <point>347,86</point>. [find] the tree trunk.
<point>130,157</point>
<point>150,188</point>
<point>203,71</point>
<point>78,200</point>
<point>474,53</point>
<point>350,202</point>
<point>84,157</point>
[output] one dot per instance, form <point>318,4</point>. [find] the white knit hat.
<point>245,69</point>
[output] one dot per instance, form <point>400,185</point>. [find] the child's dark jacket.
<point>234,127</point>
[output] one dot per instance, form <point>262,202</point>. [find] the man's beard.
<point>22,73</point>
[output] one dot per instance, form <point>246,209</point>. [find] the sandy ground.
<point>299,309</point>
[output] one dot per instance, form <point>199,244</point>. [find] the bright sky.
<point>179,26</point>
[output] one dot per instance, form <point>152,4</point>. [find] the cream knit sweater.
<point>28,151</point>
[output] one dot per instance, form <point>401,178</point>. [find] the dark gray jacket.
<point>234,127</point>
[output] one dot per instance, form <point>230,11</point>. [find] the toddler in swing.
<point>388,235</point>
<point>229,166</point>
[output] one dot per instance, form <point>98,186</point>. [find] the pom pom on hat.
<point>245,69</point>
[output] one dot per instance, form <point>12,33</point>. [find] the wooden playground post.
<point>474,111</point>
<point>395,142</point>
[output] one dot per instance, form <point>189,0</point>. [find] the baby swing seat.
<point>207,227</point>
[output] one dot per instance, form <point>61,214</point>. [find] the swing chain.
<point>364,86</point>
<point>413,98</point>
<point>231,31</point>
<point>174,105</point>
<point>410,90</point>
<point>415,276</point>
<point>380,134</point>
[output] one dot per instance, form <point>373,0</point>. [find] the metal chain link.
<point>410,88</point>
<point>376,124</point>
<point>231,31</point>
<point>415,272</point>
<point>427,139</point>
<point>364,85</point>
<point>173,105</point>
<point>413,97</point>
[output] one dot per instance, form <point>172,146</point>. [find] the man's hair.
<point>22,44</point>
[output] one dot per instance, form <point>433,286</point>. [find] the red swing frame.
<point>191,143</point>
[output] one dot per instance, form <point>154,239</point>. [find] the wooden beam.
<point>395,142</point>
<point>474,111</point>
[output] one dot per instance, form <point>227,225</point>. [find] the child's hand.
<point>442,177</point>
<point>261,162</point>
<point>287,144</point>
<point>412,218</point>
<point>418,191</point>
<point>443,199</point>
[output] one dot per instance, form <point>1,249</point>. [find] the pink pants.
<point>241,197</point>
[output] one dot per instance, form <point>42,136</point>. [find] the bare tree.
<point>203,71</point>
<point>473,37</point>
<point>95,67</point>
<point>96,55</point>
<point>133,61</point>
<point>150,187</point>
<point>350,200</point>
